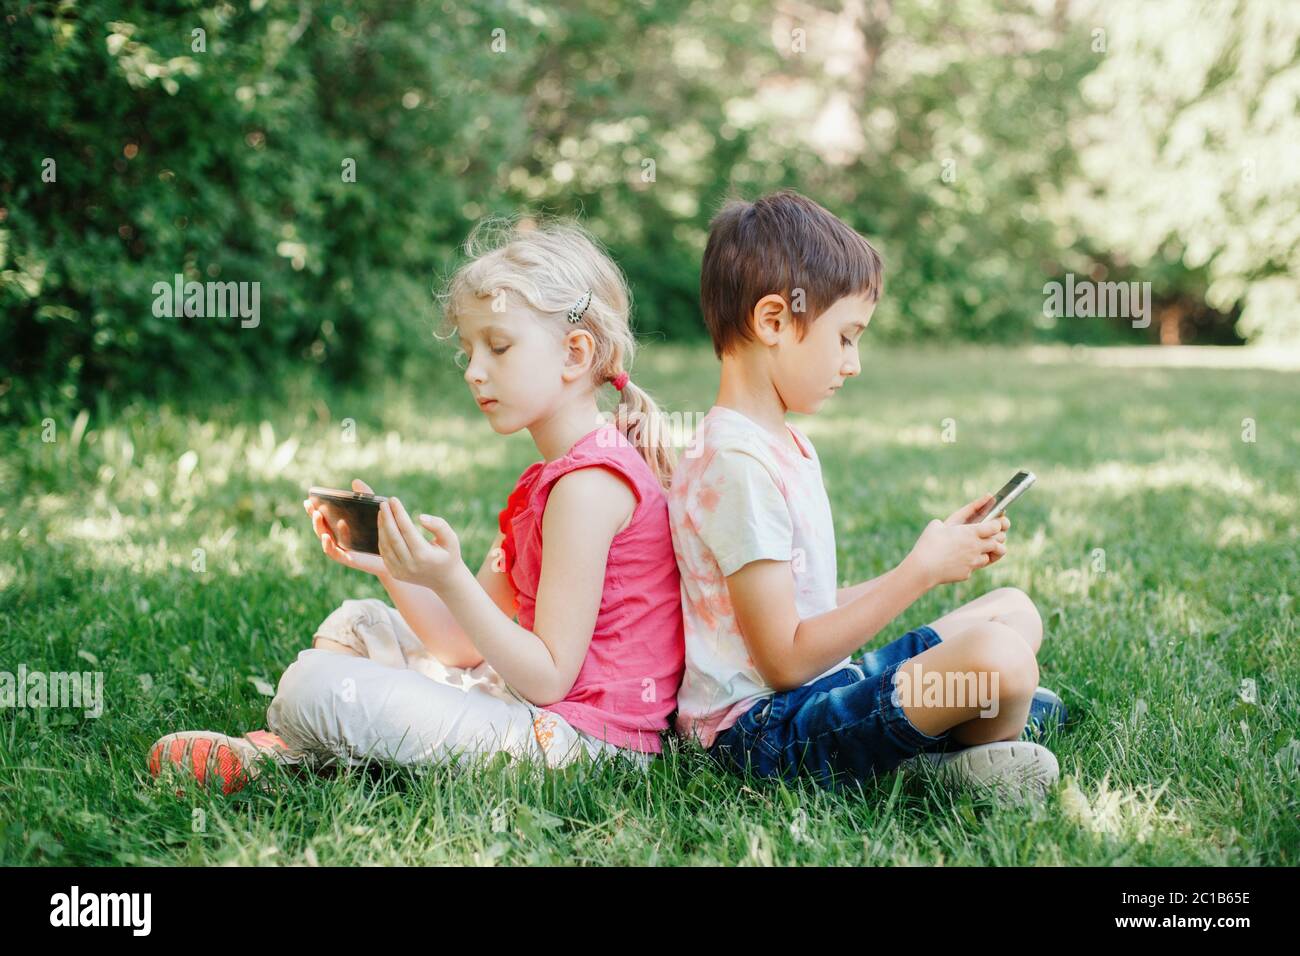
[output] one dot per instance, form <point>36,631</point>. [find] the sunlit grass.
<point>169,545</point>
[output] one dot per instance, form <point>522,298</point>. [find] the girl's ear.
<point>580,350</point>
<point>771,317</point>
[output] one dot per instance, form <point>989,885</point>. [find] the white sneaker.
<point>1018,770</point>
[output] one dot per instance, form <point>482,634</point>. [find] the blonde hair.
<point>549,266</point>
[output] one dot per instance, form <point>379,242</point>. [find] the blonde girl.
<point>568,641</point>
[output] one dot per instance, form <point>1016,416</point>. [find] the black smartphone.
<point>1008,493</point>
<point>353,516</point>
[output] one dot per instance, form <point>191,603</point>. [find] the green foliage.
<point>227,164</point>
<point>1188,155</point>
<point>132,153</point>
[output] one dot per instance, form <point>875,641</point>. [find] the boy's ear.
<point>579,351</point>
<point>770,318</point>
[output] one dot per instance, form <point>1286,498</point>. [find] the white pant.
<point>398,702</point>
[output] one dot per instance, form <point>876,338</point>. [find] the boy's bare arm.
<point>852,592</point>
<point>789,651</point>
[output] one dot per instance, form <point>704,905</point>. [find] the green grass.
<point>1165,764</point>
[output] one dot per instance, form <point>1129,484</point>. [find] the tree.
<point>1190,154</point>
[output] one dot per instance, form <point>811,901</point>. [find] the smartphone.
<point>1008,493</point>
<point>359,514</point>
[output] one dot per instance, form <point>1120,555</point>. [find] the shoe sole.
<point>1019,770</point>
<point>203,756</point>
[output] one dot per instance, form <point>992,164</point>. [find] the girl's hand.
<point>330,538</point>
<point>410,556</point>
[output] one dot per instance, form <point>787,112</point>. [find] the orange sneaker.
<point>207,755</point>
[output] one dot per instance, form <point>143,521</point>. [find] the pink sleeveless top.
<point>628,682</point>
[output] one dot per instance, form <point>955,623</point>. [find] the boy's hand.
<point>949,550</point>
<point>967,511</point>
<point>410,556</point>
<point>335,541</point>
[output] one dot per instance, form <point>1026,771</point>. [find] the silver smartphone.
<point>1008,493</point>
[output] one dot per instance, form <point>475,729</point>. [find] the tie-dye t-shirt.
<point>739,495</point>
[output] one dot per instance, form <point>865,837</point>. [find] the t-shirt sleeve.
<point>742,515</point>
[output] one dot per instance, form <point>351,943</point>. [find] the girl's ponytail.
<point>639,418</point>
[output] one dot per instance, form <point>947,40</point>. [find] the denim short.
<point>844,728</point>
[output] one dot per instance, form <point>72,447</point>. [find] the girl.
<point>568,642</point>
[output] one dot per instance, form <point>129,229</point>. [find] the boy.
<point>787,291</point>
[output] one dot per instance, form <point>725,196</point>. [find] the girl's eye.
<point>845,342</point>
<point>501,350</point>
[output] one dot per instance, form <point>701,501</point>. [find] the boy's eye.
<point>500,350</point>
<point>844,341</point>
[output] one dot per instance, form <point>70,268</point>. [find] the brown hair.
<point>780,243</point>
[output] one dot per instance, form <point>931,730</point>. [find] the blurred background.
<point>339,152</point>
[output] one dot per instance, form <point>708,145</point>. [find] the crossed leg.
<point>990,642</point>
<point>1009,606</point>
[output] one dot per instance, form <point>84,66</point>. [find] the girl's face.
<point>516,367</point>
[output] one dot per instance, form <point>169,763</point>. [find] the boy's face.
<point>806,373</point>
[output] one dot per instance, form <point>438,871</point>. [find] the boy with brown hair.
<point>787,291</point>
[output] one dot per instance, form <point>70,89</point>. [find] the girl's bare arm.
<point>432,621</point>
<point>584,512</point>
<point>422,609</point>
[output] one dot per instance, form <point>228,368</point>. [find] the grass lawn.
<point>1160,547</point>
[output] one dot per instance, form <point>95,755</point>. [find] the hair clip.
<point>580,307</point>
